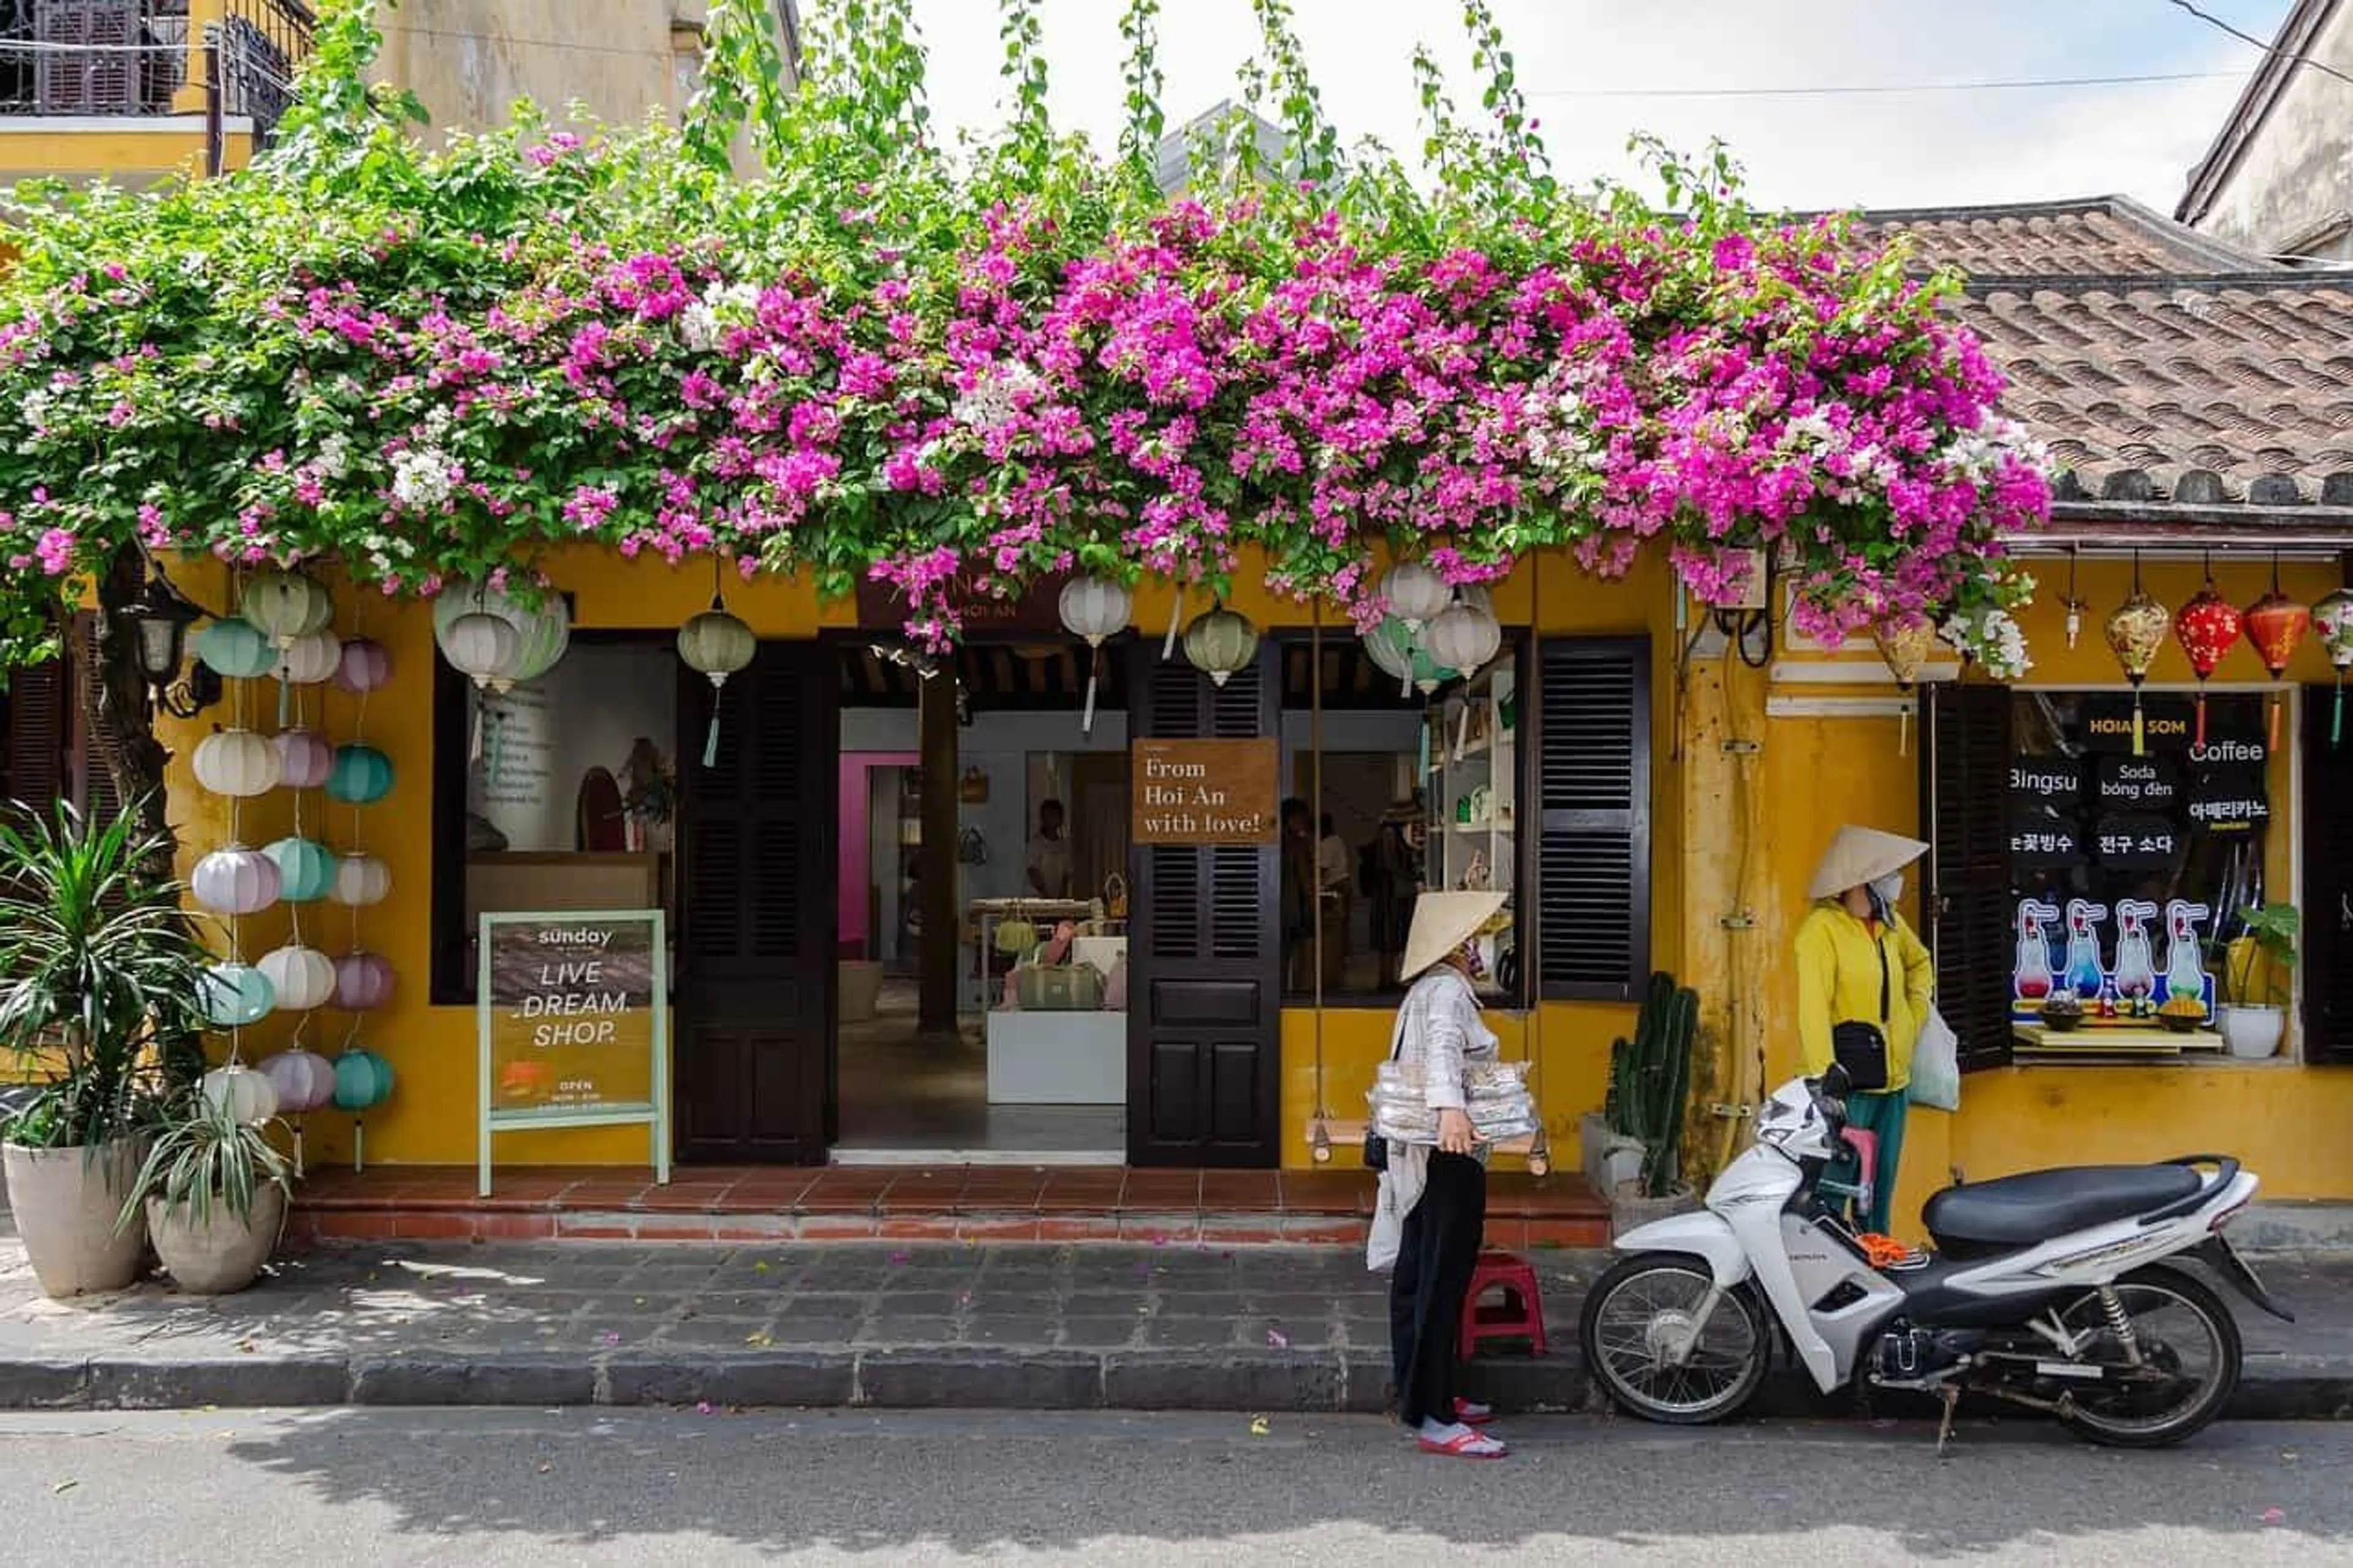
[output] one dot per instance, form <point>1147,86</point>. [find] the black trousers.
<point>1435,1256</point>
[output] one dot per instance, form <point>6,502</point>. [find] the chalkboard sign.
<point>2139,783</point>
<point>574,1024</point>
<point>2229,798</point>
<point>2136,843</point>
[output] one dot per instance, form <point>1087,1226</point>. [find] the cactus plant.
<point>1650,1080</point>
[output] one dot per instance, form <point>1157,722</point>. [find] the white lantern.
<point>1416,594</point>
<point>304,758</point>
<point>235,881</point>
<point>716,645</point>
<point>247,1095</point>
<point>362,880</point>
<point>1219,642</point>
<point>304,1080</point>
<point>1465,638</point>
<point>237,762</point>
<point>311,659</point>
<point>301,977</point>
<point>284,606</point>
<point>1095,608</point>
<point>482,648</point>
<point>543,632</point>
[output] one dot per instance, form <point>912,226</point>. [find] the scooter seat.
<point>2012,1211</point>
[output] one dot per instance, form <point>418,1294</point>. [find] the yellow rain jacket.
<point>1839,972</point>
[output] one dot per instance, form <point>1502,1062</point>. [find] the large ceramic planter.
<point>1608,1157</point>
<point>223,1254</point>
<point>2253,1033</point>
<point>66,1203</point>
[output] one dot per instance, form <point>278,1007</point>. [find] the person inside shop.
<point>1864,986</point>
<point>1392,878</point>
<point>1297,892</point>
<point>1431,1215</point>
<point>1333,894</point>
<point>1050,854</point>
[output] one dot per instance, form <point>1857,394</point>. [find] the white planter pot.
<point>1621,1163</point>
<point>65,1202</point>
<point>2253,1033</point>
<point>223,1254</point>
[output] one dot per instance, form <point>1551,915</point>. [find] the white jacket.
<point>1438,1026</point>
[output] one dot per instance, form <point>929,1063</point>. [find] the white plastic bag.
<point>1935,1065</point>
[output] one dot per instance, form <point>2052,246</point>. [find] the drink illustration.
<point>2136,975</point>
<point>2084,975</point>
<point>2033,970</point>
<point>2185,959</point>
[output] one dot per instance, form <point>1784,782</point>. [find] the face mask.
<point>1474,952</point>
<point>1889,889</point>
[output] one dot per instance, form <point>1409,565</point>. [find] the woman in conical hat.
<point>1433,1200</point>
<point>1864,986</point>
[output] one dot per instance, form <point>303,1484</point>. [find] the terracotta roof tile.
<point>2105,236</point>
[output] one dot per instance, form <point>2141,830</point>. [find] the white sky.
<point>1896,149</point>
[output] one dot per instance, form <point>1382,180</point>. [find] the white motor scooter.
<point>2046,1290</point>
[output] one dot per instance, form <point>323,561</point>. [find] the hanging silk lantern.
<point>361,775</point>
<point>1094,609</point>
<point>363,1081</point>
<point>363,981</point>
<point>311,659</point>
<point>246,1095</point>
<point>2276,623</point>
<point>1464,636</point>
<point>304,1080</point>
<point>236,996</point>
<point>284,606</point>
<point>1416,594</point>
<point>306,869</point>
<point>2207,626</point>
<point>2333,618</point>
<point>235,881</point>
<point>304,758</point>
<point>1390,648</point>
<point>2136,630</point>
<point>362,880</point>
<point>364,666</point>
<point>241,764</point>
<point>300,977</point>
<point>542,631</point>
<point>1904,644</point>
<point>481,647</point>
<point>716,645</point>
<point>1219,642</point>
<point>234,649</point>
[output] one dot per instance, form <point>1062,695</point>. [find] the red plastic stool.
<point>1520,1314</point>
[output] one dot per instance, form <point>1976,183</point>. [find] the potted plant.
<point>212,1195</point>
<point>1650,1084</point>
<point>97,963</point>
<point>2262,963</point>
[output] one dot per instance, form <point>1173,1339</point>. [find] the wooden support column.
<point>937,707</point>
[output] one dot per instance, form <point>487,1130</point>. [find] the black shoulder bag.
<point>1377,1148</point>
<point>1862,1047</point>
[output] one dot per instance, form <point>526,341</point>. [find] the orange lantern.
<point>2276,623</point>
<point>2207,628</point>
<point>2136,630</point>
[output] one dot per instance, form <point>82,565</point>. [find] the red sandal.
<point>1469,1445</point>
<point>1472,1415</point>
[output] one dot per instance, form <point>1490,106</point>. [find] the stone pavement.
<point>867,1324</point>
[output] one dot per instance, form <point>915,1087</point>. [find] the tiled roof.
<point>2164,368</point>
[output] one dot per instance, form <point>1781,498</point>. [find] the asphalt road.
<point>494,1487</point>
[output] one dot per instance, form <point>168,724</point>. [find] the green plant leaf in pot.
<point>201,1157</point>
<point>2270,935</point>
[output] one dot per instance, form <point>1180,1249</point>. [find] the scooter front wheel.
<point>1646,1344</point>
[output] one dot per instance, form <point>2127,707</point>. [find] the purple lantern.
<point>366,666</point>
<point>235,881</point>
<point>363,981</point>
<point>304,1080</point>
<point>304,758</point>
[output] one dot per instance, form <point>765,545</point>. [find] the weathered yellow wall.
<point>2281,1117</point>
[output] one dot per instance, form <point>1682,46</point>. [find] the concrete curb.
<point>950,1377</point>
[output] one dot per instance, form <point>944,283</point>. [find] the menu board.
<point>573,1026</point>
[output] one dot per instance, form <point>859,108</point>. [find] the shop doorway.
<point>1028,1063</point>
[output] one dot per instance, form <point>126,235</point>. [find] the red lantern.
<point>2206,627</point>
<point>2276,623</point>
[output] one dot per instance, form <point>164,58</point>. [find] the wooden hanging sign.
<point>1204,791</point>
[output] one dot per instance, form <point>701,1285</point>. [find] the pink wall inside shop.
<point>855,875</point>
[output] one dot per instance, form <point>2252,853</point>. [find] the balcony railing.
<point>127,58</point>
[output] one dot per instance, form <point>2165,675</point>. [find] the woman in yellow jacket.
<point>1858,965</point>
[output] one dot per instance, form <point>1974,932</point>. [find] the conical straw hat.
<point>1442,923</point>
<point>1860,855</point>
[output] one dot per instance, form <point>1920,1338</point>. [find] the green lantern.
<point>1219,642</point>
<point>234,649</point>
<point>236,996</point>
<point>363,1081</point>
<point>716,645</point>
<point>1393,648</point>
<point>306,869</point>
<point>284,606</point>
<point>360,775</point>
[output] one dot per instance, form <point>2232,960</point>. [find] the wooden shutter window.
<point>1966,901</point>
<point>1592,748</point>
<point>35,758</point>
<point>2326,971</point>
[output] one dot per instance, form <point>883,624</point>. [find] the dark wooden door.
<point>1967,903</point>
<point>1205,996</point>
<point>756,895</point>
<point>2326,966</point>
